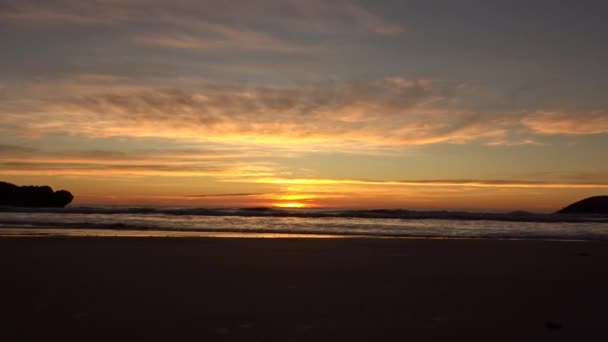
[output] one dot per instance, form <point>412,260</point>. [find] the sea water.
<point>170,221</point>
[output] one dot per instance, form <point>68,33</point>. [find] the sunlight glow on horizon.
<point>291,205</point>
<point>297,104</point>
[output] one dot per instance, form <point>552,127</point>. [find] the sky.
<point>468,105</point>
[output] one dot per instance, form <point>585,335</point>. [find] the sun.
<point>291,205</point>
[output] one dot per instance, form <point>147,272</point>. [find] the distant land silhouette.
<point>591,205</point>
<point>33,196</point>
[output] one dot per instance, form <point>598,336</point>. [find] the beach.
<point>334,289</point>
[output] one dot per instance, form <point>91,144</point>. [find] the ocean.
<point>172,221</point>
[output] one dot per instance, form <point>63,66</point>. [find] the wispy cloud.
<point>257,194</point>
<point>66,169</point>
<point>373,22</point>
<point>12,150</point>
<point>236,40</point>
<point>349,116</point>
<point>471,183</point>
<point>258,25</point>
<point>168,162</point>
<point>378,112</point>
<point>345,116</point>
<point>568,123</point>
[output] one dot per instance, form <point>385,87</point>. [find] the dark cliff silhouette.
<point>33,196</point>
<point>591,205</point>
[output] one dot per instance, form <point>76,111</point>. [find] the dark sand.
<point>206,289</point>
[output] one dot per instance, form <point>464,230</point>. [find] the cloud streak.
<point>256,194</point>
<point>347,116</point>
<point>469,183</point>
<point>204,35</point>
<point>563,123</point>
<point>270,26</point>
<point>168,162</point>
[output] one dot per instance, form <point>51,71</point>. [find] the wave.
<point>373,222</point>
<point>516,216</point>
<point>488,231</point>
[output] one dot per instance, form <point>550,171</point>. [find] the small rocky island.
<point>591,205</point>
<point>33,196</point>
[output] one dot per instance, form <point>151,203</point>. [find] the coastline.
<point>50,232</point>
<point>300,289</point>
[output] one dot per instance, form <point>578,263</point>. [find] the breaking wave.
<point>382,222</point>
<point>516,216</point>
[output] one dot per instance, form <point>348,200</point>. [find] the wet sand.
<point>225,289</point>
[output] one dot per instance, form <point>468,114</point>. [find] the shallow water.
<point>396,223</point>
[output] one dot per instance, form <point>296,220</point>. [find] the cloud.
<point>187,32</point>
<point>372,21</point>
<point>258,25</point>
<point>74,12</point>
<point>470,183</point>
<point>256,194</point>
<point>348,116</point>
<point>11,150</point>
<point>238,40</point>
<point>391,110</point>
<point>576,123</point>
<point>66,169</point>
<point>28,13</point>
<point>168,162</point>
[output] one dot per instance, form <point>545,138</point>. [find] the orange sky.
<point>348,103</point>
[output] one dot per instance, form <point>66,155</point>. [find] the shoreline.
<point>22,232</point>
